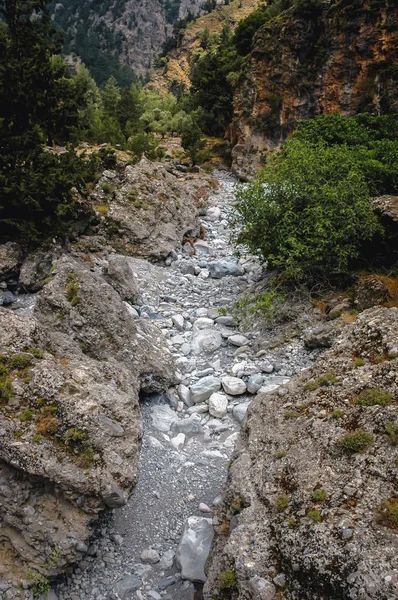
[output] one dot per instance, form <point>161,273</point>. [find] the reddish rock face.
<point>342,59</point>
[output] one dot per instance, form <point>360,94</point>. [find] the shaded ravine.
<point>185,450</point>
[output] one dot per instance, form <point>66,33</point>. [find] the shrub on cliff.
<point>308,212</point>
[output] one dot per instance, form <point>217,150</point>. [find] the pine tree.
<point>37,107</point>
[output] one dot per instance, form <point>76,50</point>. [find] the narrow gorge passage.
<point>190,432</point>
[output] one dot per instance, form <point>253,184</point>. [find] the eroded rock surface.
<point>70,428</point>
<point>312,494</point>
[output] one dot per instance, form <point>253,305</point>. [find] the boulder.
<point>83,363</point>
<point>126,586</point>
<point>238,340</point>
<point>370,291</point>
<point>316,475</point>
<point>119,272</point>
<point>239,411</point>
<point>233,385</point>
<point>204,388</point>
<point>37,267</point>
<point>218,404</point>
<point>224,267</point>
<point>207,341</point>
<point>194,548</point>
<point>10,260</point>
<point>153,207</point>
<point>254,383</point>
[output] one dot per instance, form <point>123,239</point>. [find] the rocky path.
<point>155,547</point>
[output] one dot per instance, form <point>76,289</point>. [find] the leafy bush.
<point>358,441</point>
<point>369,397</point>
<point>308,212</point>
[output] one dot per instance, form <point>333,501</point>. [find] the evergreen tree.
<point>37,106</point>
<point>111,97</point>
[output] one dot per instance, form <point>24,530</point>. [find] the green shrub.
<point>26,415</point>
<point>227,580</point>
<point>319,495</point>
<point>327,378</point>
<point>37,352</point>
<point>18,362</point>
<point>308,213</point>
<point>282,502</point>
<point>388,513</point>
<point>358,441</point>
<point>74,437</point>
<point>373,397</point>
<point>338,414</point>
<point>315,515</point>
<point>392,432</point>
<point>358,362</point>
<point>6,389</point>
<point>39,584</point>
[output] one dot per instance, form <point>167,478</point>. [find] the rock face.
<point>148,208</point>
<point>70,426</point>
<point>135,30</point>
<point>302,66</point>
<point>311,496</point>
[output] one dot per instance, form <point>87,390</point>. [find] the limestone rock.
<point>10,259</point>
<point>85,362</point>
<point>299,448</point>
<point>207,341</point>
<point>194,548</point>
<point>218,404</point>
<point>204,388</point>
<point>233,385</point>
<point>224,267</point>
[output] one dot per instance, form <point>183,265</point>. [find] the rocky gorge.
<point>125,385</point>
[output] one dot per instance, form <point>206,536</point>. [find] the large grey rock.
<point>188,426</point>
<point>202,248</point>
<point>66,462</point>
<point>254,383</point>
<point>126,586</point>
<point>119,272</point>
<point>10,259</point>
<point>204,388</point>
<point>218,404</point>
<point>224,267</point>
<point>207,341</point>
<point>233,385</point>
<point>163,417</point>
<point>152,206</point>
<point>194,548</point>
<point>299,439</point>
<point>36,268</point>
<point>239,411</point>
<point>238,340</point>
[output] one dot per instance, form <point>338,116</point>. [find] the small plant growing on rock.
<point>227,580</point>
<point>315,515</point>
<point>319,495</point>
<point>6,389</point>
<point>39,584</point>
<point>282,502</point>
<point>388,513</point>
<point>327,378</point>
<point>369,397</point>
<point>392,432</point>
<point>73,436</point>
<point>18,362</point>
<point>26,415</point>
<point>237,504</point>
<point>358,441</point>
<point>338,414</point>
<point>358,362</point>
<point>281,455</point>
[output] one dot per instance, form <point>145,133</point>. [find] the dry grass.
<point>391,284</point>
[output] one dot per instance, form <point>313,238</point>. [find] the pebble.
<point>150,556</point>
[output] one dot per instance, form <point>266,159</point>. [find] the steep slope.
<point>113,34</point>
<point>341,58</point>
<point>176,71</point>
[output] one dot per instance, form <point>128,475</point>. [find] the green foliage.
<point>315,515</point>
<point>319,495</point>
<point>388,513</point>
<point>26,415</point>
<point>6,388</point>
<point>74,436</point>
<point>358,441</point>
<point>358,362</point>
<point>144,143</point>
<point>18,362</point>
<point>282,502</point>
<point>39,584</point>
<point>392,432</point>
<point>373,397</point>
<point>227,580</point>
<point>328,378</point>
<point>37,185</point>
<point>264,305</point>
<point>72,290</point>
<point>308,213</point>
<point>193,142</point>
<point>338,414</point>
